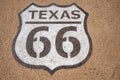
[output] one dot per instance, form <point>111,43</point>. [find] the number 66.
<point>58,42</point>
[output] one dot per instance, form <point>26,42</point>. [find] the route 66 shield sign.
<point>52,37</point>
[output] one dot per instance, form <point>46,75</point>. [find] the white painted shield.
<point>52,37</point>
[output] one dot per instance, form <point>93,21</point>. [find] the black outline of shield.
<point>61,67</point>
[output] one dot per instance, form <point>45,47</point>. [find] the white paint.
<point>53,59</point>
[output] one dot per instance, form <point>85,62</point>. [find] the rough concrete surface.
<point>103,26</point>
